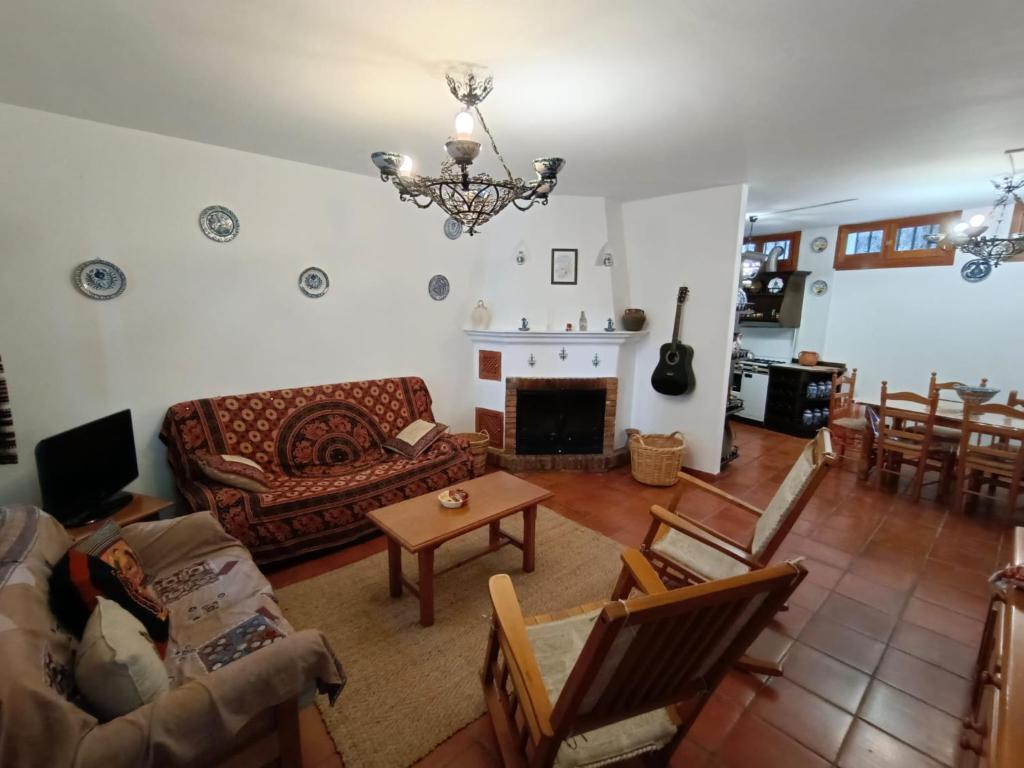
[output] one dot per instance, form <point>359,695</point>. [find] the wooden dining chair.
<point>624,678</point>
<point>1013,400</point>
<point>991,452</point>
<point>852,425</point>
<point>906,436</point>
<point>684,550</point>
<point>938,389</point>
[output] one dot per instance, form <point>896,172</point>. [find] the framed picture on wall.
<point>564,263</point>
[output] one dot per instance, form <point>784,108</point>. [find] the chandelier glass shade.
<point>970,238</point>
<point>472,200</point>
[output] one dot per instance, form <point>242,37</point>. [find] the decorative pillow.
<point>415,438</point>
<point>236,471</point>
<point>117,668</point>
<point>78,581</point>
<point>109,546</point>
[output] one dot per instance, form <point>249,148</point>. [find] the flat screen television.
<point>82,470</point>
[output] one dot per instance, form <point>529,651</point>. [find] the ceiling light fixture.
<point>470,200</point>
<point>969,236</point>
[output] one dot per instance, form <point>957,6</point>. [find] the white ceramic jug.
<point>481,316</point>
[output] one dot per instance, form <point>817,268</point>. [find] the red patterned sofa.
<point>322,448</point>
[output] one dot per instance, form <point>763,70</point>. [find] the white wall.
<point>201,318</point>
<point>902,324</point>
<point>513,291</point>
<point>689,239</point>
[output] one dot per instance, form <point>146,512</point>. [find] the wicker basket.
<point>656,459</point>
<point>478,442</point>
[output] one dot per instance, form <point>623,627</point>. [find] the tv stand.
<point>127,508</point>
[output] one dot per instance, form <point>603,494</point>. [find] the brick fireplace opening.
<point>559,423</point>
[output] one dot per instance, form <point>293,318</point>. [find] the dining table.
<point>949,413</point>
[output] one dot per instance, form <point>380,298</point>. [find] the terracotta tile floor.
<point>878,643</point>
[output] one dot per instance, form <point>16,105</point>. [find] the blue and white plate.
<point>219,223</point>
<point>438,287</point>
<point>452,228</point>
<point>99,279</point>
<point>976,270</point>
<point>313,282</point>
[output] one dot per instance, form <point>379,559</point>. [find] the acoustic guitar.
<point>674,374</point>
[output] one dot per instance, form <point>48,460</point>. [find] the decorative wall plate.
<point>99,279</point>
<point>452,228</point>
<point>219,223</point>
<point>438,287</point>
<point>313,282</point>
<point>819,244</point>
<point>976,270</point>
<point>775,285</point>
<point>819,287</point>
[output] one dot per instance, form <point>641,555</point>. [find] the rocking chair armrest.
<point>643,573</point>
<point>708,488</point>
<point>522,663</point>
<point>706,536</point>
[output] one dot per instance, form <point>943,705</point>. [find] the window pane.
<point>783,244</point>
<point>747,247</point>
<point>863,242</point>
<point>905,239</point>
<point>876,241</point>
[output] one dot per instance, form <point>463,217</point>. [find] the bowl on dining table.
<point>975,395</point>
<point>453,498</point>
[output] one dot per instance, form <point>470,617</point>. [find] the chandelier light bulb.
<point>464,124</point>
<point>406,166</point>
<point>960,227</point>
<point>977,220</point>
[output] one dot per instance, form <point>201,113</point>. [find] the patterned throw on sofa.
<point>322,448</point>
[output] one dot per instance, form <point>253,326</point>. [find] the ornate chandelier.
<point>470,200</point>
<point>969,236</point>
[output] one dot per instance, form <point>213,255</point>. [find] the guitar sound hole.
<point>672,358</point>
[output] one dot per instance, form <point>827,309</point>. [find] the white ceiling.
<point>906,104</point>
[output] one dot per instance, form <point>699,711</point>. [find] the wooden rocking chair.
<point>606,682</point>
<point>687,551</point>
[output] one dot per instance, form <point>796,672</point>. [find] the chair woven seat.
<point>850,422</point>
<point>698,557</point>
<point>557,646</point>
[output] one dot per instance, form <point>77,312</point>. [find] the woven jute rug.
<point>411,687</point>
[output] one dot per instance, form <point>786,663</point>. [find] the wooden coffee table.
<point>421,525</point>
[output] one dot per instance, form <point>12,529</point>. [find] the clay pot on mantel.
<point>634,319</point>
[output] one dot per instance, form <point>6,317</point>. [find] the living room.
<point>204,227</point>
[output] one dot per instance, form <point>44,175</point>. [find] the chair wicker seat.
<point>705,561</point>
<point>850,422</point>
<point>557,646</point>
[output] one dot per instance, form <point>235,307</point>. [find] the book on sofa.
<point>322,453</point>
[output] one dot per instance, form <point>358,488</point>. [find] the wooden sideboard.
<point>993,735</point>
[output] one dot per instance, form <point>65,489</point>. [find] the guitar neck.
<point>675,328</point>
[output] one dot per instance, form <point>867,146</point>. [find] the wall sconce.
<point>605,257</point>
<point>520,254</point>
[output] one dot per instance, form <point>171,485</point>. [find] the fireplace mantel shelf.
<point>615,338</point>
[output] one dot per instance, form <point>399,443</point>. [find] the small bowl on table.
<point>974,395</point>
<point>453,498</point>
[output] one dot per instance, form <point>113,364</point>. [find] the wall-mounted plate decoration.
<point>313,282</point>
<point>452,228</point>
<point>819,244</point>
<point>99,279</point>
<point>219,223</point>
<point>775,285</point>
<point>976,270</point>
<point>819,287</point>
<point>438,287</point>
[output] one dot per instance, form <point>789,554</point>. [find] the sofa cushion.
<point>117,668</point>
<point>78,580</point>
<point>415,439</point>
<point>108,545</point>
<point>236,471</point>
